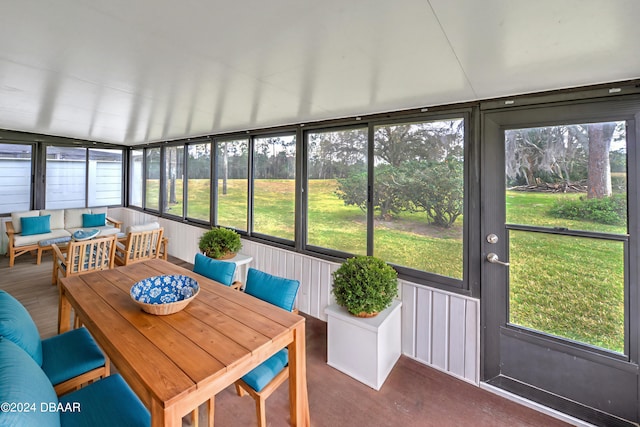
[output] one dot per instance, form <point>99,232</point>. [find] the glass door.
<point>557,281</point>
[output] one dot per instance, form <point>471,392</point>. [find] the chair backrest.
<point>273,289</point>
<point>220,271</point>
<point>17,325</point>
<point>90,255</point>
<point>143,245</point>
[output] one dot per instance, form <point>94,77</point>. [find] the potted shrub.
<point>365,285</point>
<point>220,243</point>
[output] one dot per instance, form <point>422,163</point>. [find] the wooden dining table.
<point>177,362</point>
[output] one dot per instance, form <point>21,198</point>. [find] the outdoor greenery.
<point>365,285</point>
<point>606,210</point>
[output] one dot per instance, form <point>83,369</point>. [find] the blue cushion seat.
<point>273,289</point>
<point>108,402</point>
<point>61,357</point>
<point>70,354</point>
<point>220,271</point>
<point>262,375</point>
<point>56,240</point>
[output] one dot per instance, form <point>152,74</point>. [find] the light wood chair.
<point>139,246</point>
<point>81,257</point>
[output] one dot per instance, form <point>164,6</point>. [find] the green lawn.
<point>565,286</point>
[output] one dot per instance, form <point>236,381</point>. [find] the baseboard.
<point>510,389</point>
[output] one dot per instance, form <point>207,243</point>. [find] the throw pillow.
<point>94,220</point>
<point>35,225</point>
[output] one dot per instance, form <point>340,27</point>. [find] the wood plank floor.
<point>413,395</point>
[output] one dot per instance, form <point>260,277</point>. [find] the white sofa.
<point>62,224</point>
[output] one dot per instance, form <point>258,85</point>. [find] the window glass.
<point>418,195</point>
<point>15,176</point>
<point>233,182</point>
<point>66,177</point>
<point>173,176</point>
<point>152,177</point>
<point>576,172</point>
<point>104,177</point>
<point>274,186</point>
<point>337,190</point>
<point>136,181</point>
<point>199,181</point>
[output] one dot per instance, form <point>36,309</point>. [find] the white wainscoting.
<point>440,329</point>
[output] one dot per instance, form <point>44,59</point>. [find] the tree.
<point>436,189</point>
<point>599,178</point>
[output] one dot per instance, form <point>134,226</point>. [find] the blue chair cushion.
<point>262,375</point>
<point>35,225</point>
<point>17,325</point>
<point>22,382</point>
<point>273,289</point>
<point>56,240</point>
<point>70,354</point>
<point>94,220</point>
<point>108,402</point>
<point>220,271</point>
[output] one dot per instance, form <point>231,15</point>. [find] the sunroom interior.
<point>467,144</point>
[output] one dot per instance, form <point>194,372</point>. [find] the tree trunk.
<point>225,168</point>
<point>599,177</point>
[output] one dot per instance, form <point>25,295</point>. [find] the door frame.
<point>497,337</point>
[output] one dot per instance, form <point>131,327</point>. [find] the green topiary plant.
<point>220,243</point>
<point>365,285</point>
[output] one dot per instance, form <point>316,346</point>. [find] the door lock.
<point>494,259</point>
<point>492,238</point>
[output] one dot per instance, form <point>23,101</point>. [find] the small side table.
<point>242,262</point>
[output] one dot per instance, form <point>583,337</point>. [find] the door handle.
<point>493,259</point>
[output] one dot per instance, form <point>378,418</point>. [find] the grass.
<point>565,286</point>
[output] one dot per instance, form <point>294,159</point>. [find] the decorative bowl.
<point>165,294</point>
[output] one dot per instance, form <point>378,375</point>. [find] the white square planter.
<point>364,348</point>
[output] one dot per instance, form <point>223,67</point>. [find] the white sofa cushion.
<point>15,219</point>
<point>73,217</point>
<point>20,240</point>
<point>57,218</point>
<point>143,227</point>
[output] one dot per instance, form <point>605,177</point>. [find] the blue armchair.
<point>107,402</point>
<point>69,360</point>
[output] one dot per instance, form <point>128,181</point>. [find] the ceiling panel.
<point>153,70</point>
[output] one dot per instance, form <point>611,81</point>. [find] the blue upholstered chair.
<point>220,271</point>
<point>267,377</point>
<point>107,402</point>
<point>69,360</point>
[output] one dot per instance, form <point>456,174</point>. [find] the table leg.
<point>161,417</point>
<point>298,397</point>
<point>64,311</point>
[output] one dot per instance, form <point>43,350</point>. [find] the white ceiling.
<point>134,71</point>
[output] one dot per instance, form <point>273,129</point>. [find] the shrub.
<point>219,242</point>
<point>606,210</point>
<point>365,284</point>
